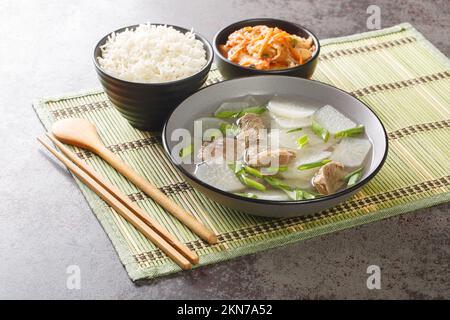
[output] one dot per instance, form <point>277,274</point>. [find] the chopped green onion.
<point>239,167</point>
<point>353,177</point>
<point>229,130</point>
<point>302,141</point>
<point>236,167</point>
<point>239,170</point>
<point>350,132</point>
<point>186,151</point>
<point>246,195</point>
<point>298,194</point>
<point>320,131</point>
<point>253,171</point>
<point>311,165</point>
<point>277,183</point>
<point>250,182</point>
<point>348,176</point>
<point>307,195</point>
<point>226,114</point>
<point>294,130</point>
<point>255,110</point>
<point>295,194</point>
<point>273,170</point>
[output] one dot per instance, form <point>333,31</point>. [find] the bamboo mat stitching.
<point>400,84</point>
<point>367,48</point>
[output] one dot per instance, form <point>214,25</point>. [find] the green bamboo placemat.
<point>396,71</point>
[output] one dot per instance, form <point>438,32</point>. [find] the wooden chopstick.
<point>120,208</point>
<point>158,196</point>
<point>183,249</point>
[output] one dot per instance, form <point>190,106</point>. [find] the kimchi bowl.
<point>230,68</point>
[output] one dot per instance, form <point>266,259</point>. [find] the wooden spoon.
<point>83,134</point>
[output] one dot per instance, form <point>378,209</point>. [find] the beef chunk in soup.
<point>250,125</point>
<point>269,157</point>
<point>227,148</point>
<point>329,178</point>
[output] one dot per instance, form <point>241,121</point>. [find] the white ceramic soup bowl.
<point>205,101</point>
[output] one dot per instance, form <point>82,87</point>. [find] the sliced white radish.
<point>351,152</point>
<point>290,123</point>
<point>217,174</point>
<point>274,195</point>
<point>332,120</point>
<point>289,108</point>
<point>303,157</point>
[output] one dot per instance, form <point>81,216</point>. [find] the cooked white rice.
<point>152,54</point>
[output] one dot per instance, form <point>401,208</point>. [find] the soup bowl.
<point>205,101</point>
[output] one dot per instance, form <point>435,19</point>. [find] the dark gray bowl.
<point>146,106</point>
<point>205,102</point>
<point>232,70</point>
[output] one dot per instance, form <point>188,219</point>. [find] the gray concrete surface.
<point>45,224</point>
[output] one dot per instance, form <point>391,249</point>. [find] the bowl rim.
<point>274,71</point>
<point>206,44</point>
<point>355,187</point>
